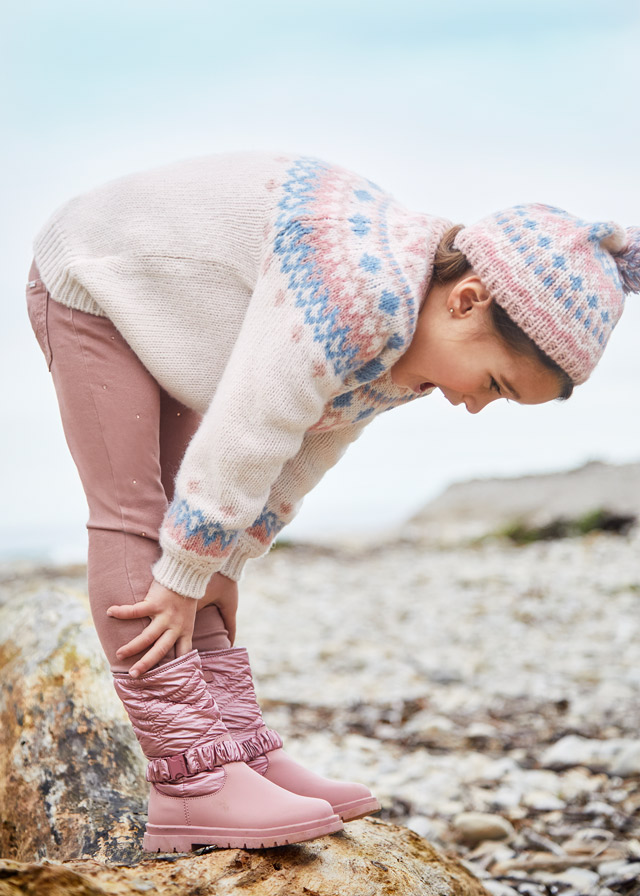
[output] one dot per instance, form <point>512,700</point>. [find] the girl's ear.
<point>467,295</point>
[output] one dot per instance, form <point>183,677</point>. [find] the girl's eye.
<point>495,386</point>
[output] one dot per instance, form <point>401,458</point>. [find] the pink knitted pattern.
<point>557,278</point>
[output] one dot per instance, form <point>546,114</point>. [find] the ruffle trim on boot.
<point>260,743</point>
<point>201,758</point>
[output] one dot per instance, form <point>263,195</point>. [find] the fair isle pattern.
<point>556,277</point>
<point>361,403</point>
<point>266,527</point>
<point>330,278</point>
<point>333,286</point>
<point>190,527</point>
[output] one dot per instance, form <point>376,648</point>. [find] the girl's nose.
<point>474,403</point>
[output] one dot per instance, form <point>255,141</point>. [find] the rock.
<point>370,856</point>
<point>478,506</point>
<point>588,841</point>
<point>496,888</point>
<point>616,756</point>
<point>429,828</point>
<point>581,879</point>
<point>599,808</point>
<point>527,888</point>
<point>52,880</point>
<point>71,772</point>
<point>474,827</point>
<point>542,801</point>
<point>625,874</point>
<point>627,762</point>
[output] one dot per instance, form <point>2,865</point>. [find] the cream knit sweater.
<point>270,293</point>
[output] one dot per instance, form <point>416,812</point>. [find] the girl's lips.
<point>423,387</point>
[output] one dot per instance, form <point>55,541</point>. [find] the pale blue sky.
<point>458,109</point>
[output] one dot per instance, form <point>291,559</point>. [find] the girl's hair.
<point>451,264</point>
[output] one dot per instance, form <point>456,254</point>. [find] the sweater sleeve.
<point>292,356</point>
<point>319,452</point>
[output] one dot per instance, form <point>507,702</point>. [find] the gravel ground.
<point>485,678</point>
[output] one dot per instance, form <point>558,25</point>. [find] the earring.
<point>450,310</point>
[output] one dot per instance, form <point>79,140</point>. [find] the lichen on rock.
<point>71,772</point>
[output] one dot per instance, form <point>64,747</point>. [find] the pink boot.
<point>229,676</point>
<point>202,792</point>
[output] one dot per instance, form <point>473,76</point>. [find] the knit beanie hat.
<point>561,279</point>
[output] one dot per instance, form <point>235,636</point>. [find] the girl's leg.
<point>177,425</point>
<point>110,410</point>
<point>202,790</point>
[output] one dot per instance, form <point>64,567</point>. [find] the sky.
<point>458,109</point>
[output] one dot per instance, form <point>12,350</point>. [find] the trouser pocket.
<point>37,307</point>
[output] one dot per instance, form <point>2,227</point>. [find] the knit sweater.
<point>270,293</point>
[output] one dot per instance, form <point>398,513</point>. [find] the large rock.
<point>477,507</point>
<point>71,772</point>
<point>370,857</point>
<point>72,786</point>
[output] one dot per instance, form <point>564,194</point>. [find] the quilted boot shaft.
<point>176,720</point>
<point>228,675</point>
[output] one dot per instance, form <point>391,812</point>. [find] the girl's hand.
<point>222,592</point>
<point>172,616</point>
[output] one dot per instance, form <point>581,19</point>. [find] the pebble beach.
<point>487,692</point>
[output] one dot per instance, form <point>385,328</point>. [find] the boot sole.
<point>357,808</point>
<point>162,838</point>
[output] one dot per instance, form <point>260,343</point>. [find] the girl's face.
<point>456,349</point>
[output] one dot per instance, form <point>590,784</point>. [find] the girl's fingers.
<point>159,650</point>
<point>183,645</point>
<point>229,618</point>
<point>145,639</point>
<point>130,611</point>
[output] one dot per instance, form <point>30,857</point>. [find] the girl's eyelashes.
<point>495,386</point>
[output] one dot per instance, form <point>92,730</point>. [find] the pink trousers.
<point>127,437</point>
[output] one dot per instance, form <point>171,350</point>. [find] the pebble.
<point>627,873</point>
<point>496,888</point>
<point>432,829</point>
<point>581,879</point>
<point>627,762</point>
<point>474,827</point>
<point>617,756</point>
<point>542,801</point>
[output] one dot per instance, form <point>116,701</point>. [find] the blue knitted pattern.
<point>332,277</point>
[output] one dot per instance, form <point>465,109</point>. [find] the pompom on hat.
<point>561,279</point>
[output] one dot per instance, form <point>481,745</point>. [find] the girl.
<point>218,332</point>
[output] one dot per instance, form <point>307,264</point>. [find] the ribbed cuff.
<point>234,566</point>
<point>175,574</point>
